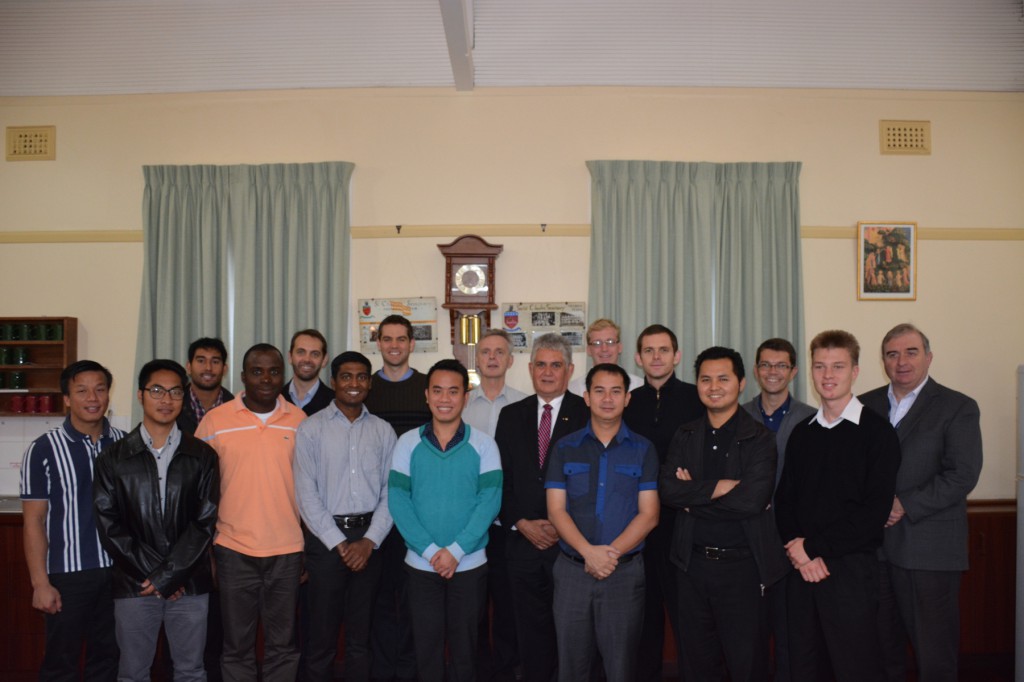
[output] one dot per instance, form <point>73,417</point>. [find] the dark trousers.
<point>446,610</point>
<point>497,643</point>
<point>835,622</point>
<point>724,620</point>
<point>533,590</point>
<point>779,626</point>
<point>598,617</point>
<point>660,579</point>
<point>255,589</point>
<point>87,614</point>
<point>391,631</point>
<point>923,606</point>
<point>337,595</point>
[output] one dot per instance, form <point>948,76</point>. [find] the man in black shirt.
<point>655,410</point>
<point>719,476</point>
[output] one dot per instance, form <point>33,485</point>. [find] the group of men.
<point>407,502</point>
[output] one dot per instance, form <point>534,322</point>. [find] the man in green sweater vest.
<point>443,493</point>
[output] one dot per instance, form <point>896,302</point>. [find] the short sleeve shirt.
<point>602,484</point>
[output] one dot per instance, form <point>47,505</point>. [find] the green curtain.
<point>247,253</point>
<point>711,251</point>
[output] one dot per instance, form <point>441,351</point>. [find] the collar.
<point>170,445</point>
<point>478,394</point>
<point>76,435</point>
<point>730,425</point>
<point>408,373</point>
<point>893,400</point>
<point>850,413</point>
<point>282,405</point>
<point>334,412</point>
<point>556,404</point>
<point>621,435</point>
<point>428,434</point>
<point>781,412</point>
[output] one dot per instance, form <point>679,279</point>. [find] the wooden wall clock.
<point>469,291</point>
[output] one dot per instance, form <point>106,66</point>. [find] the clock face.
<point>471,279</point>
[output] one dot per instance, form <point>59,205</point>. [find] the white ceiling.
<point>83,47</point>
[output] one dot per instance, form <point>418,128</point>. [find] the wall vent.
<point>31,143</point>
<point>905,137</point>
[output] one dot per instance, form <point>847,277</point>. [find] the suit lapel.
<point>928,393</point>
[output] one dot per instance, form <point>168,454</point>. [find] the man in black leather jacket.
<point>155,496</point>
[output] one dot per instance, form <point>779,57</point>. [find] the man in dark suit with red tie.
<point>525,434</point>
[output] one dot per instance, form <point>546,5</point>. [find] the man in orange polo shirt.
<point>258,548</point>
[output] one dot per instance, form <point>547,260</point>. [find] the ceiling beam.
<point>457,16</point>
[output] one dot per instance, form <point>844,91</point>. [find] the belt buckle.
<point>713,553</point>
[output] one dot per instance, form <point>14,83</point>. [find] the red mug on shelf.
<point>31,403</point>
<point>45,404</point>
<point>17,403</point>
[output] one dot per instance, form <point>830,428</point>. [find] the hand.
<point>540,532</point>
<point>444,564</point>
<point>600,560</point>
<point>683,474</point>
<point>177,595</point>
<point>148,589</point>
<point>356,554</point>
<point>814,571</point>
<point>46,598</point>
<point>796,553</point>
<point>897,513</point>
<point>724,486</point>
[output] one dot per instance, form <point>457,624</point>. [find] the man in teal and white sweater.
<point>443,493</point>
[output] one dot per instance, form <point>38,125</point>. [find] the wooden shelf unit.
<point>46,359</point>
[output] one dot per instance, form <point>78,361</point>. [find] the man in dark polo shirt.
<point>603,501</point>
<point>719,476</point>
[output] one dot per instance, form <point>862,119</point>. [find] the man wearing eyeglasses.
<point>779,411</point>
<point>155,496</point>
<point>604,346</point>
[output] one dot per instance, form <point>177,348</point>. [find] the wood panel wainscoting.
<point>987,599</point>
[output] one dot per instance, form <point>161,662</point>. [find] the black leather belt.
<point>354,521</point>
<point>623,558</point>
<point>719,553</point>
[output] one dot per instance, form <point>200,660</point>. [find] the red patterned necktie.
<point>544,436</point>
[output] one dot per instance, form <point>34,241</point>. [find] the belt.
<point>623,558</point>
<point>354,521</point>
<point>719,553</point>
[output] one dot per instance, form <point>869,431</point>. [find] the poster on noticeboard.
<point>421,311</point>
<point>526,321</point>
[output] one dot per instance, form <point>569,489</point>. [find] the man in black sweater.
<point>831,507</point>
<point>655,410</point>
<point>398,395</point>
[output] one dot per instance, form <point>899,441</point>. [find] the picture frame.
<point>886,261</point>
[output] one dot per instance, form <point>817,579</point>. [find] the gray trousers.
<point>137,626</point>
<point>598,616</point>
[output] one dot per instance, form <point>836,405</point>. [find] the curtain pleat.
<point>712,251</point>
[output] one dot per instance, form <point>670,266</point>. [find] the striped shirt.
<point>57,468</point>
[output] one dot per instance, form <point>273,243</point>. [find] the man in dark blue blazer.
<point>532,546</point>
<point>924,550</point>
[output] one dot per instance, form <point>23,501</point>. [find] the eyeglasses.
<point>780,366</point>
<point>157,392</point>
<point>598,343</point>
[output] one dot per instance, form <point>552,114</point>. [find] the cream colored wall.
<point>428,157</point>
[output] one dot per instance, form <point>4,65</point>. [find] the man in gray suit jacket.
<point>775,368</point>
<point>925,547</point>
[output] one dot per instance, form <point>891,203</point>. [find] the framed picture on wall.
<point>887,261</point>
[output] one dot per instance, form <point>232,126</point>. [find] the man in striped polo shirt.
<point>69,570</point>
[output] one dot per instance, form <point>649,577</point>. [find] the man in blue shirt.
<point>69,570</point>
<point>602,494</point>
